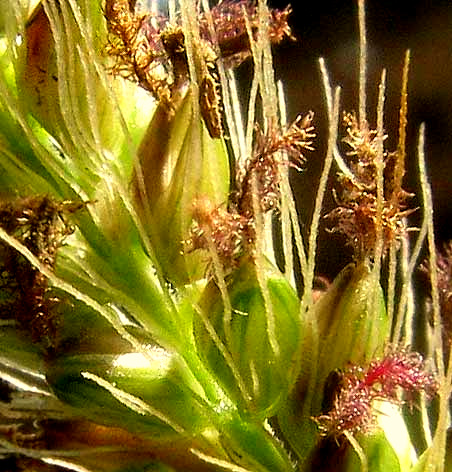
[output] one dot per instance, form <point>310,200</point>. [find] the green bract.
<point>255,447</point>
<point>179,163</point>
<point>348,324</point>
<point>379,454</point>
<point>150,395</point>
<point>254,351</point>
<point>351,320</point>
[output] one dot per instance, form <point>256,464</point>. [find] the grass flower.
<point>158,308</point>
<point>381,380</point>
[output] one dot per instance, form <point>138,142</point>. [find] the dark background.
<point>330,30</point>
